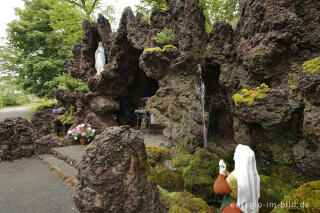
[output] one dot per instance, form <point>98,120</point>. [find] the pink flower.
<point>83,134</point>
<point>89,125</point>
<point>73,131</point>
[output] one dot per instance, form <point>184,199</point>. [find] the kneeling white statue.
<point>242,186</point>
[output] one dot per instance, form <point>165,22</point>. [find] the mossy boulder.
<point>200,174</point>
<point>304,199</point>
<point>184,202</point>
<point>281,182</point>
<point>159,159</point>
<point>181,159</point>
<point>157,154</point>
<point>170,180</point>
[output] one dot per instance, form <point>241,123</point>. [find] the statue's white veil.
<point>100,57</point>
<point>247,178</point>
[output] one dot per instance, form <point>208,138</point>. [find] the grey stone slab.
<point>74,152</point>
<point>64,166</point>
<point>153,140</point>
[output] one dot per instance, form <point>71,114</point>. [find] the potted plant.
<point>83,132</point>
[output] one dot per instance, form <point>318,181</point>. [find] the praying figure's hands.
<point>222,167</point>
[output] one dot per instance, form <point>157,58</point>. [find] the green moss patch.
<point>200,174</point>
<point>46,104</point>
<point>304,199</point>
<point>281,182</point>
<point>157,154</point>
<point>181,159</point>
<point>312,66</point>
<point>165,48</point>
<point>185,202</point>
<point>170,180</point>
<point>249,96</point>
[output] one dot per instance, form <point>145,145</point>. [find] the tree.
<point>221,10</point>
<point>88,6</point>
<point>41,40</point>
<point>146,6</point>
<point>213,10</point>
<point>33,50</point>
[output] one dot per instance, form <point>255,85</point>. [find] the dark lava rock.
<point>45,143</point>
<point>41,121</point>
<point>268,112</point>
<point>310,86</point>
<point>113,175</point>
<point>311,123</point>
<point>16,139</point>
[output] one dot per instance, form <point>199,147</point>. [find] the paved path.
<point>153,139</point>
<point>27,186</point>
<point>14,112</point>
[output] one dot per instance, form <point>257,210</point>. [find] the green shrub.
<point>165,37</point>
<point>312,66</point>
<point>46,104</point>
<point>67,117</point>
<point>67,82</point>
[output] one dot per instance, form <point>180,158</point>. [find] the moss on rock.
<point>306,195</point>
<point>281,182</point>
<point>185,202</point>
<point>199,175</point>
<point>312,66</point>
<point>249,96</point>
<point>165,48</point>
<point>181,159</point>
<point>157,154</point>
<point>170,180</point>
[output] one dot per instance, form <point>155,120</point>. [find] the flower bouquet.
<point>83,133</point>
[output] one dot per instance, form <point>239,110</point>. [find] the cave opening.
<point>140,88</point>
<point>220,119</point>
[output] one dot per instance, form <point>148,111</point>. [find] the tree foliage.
<point>88,6</point>
<point>42,39</point>
<point>146,6</point>
<point>34,50</point>
<point>213,10</point>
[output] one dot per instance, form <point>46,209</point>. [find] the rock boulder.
<point>16,139</point>
<point>114,176</point>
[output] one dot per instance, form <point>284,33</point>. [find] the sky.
<point>7,11</point>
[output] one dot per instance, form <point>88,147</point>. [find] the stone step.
<point>70,154</point>
<point>60,168</point>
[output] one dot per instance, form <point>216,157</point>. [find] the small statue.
<point>100,58</point>
<point>242,186</point>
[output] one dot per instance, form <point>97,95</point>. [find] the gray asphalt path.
<point>27,186</point>
<point>14,112</point>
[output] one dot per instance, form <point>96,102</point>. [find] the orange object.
<point>82,142</point>
<point>221,186</point>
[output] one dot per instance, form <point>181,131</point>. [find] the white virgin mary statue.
<point>100,57</point>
